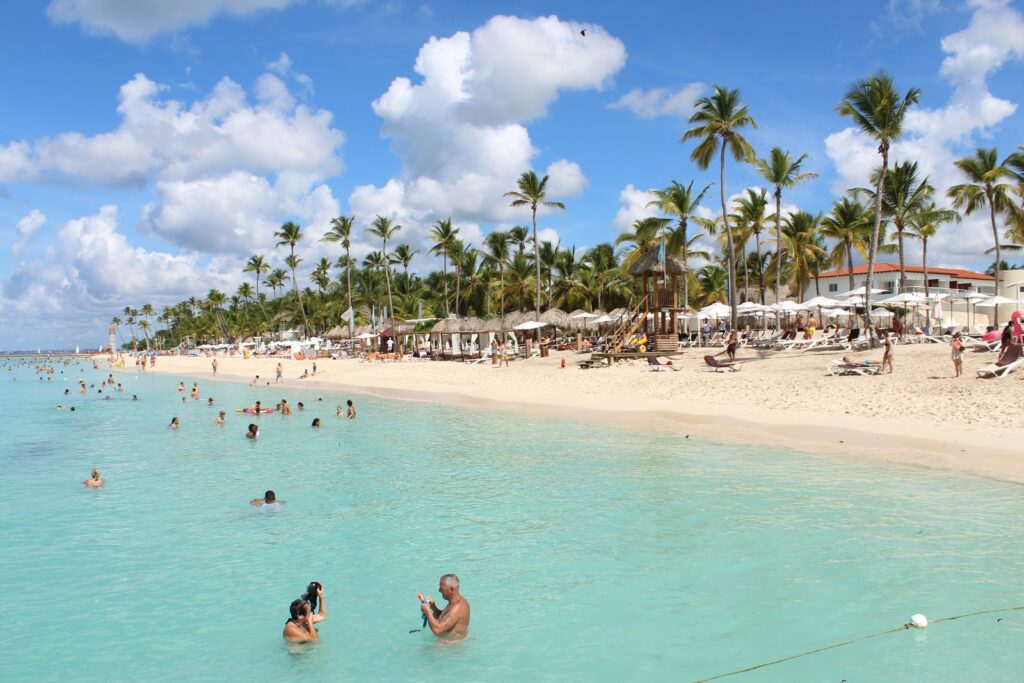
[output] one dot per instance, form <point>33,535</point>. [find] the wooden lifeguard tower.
<point>656,314</point>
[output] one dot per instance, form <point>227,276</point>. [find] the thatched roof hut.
<point>444,326</point>
<point>336,333</point>
<point>654,262</point>
<point>469,325</point>
<point>495,324</point>
<point>517,318</point>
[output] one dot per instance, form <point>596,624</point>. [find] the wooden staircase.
<point>631,322</point>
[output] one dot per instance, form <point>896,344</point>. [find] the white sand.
<point>918,415</point>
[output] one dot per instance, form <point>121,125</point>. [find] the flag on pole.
<point>347,315</point>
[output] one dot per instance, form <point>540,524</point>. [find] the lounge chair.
<point>714,365</point>
<point>1011,360</point>
<point>838,367</point>
<point>982,345</point>
<point>654,365</point>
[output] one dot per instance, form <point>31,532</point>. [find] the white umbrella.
<point>822,301</point>
<point>855,300</point>
<point>881,313</point>
<point>582,315</point>
<point>531,325</point>
<point>788,306</point>
<point>996,301</point>
<point>904,298</point>
<point>602,319</point>
<point>365,335</point>
<point>859,291</point>
<point>716,310</point>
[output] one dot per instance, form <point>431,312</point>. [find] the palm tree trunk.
<point>686,266</point>
<point>262,308</point>
<point>924,263</point>
<point>903,268</point>
<point>444,276</point>
<point>536,260</point>
<point>760,270</point>
<point>873,249</point>
<point>387,280</point>
<point>849,260</point>
<point>501,283</point>
<point>778,243</point>
<point>999,257</point>
<point>728,234</point>
<point>746,270</point>
<point>298,295</point>
<point>348,277</point>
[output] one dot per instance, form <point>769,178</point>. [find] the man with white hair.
<point>451,623</point>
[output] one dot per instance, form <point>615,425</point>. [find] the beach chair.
<point>1011,360</point>
<point>654,365</point>
<point>712,364</point>
<point>838,367</point>
<point>981,345</point>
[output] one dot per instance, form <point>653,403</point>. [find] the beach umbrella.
<point>716,310</point>
<point>583,314</point>
<point>859,291</point>
<point>603,319</point>
<point>822,301</point>
<point>366,335</point>
<point>531,325</point>
<point>997,300</point>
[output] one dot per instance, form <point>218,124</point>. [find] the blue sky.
<point>147,148</point>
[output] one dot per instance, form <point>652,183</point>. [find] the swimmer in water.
<point>255,381</point>
<point>339,411</point>
<point>174,423</point>
<point>451,623</point>
<point>254,431</point>
<point>258,408</point>
<point>269,498</point>
<point>299,628</point>
<point>316,423</point>
<point>301,406</point>
<point>135,397</point>
<point>120,389</point>
<point>195,392</point>
<point>285,408</point>
<point>181,387</point>
<point>219,420</point>
<point>95,481</point>
<point>209,401</point>
<point>351,409</point>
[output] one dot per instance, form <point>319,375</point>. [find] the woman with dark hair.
<point>316,423</point>
<point>299,628</point>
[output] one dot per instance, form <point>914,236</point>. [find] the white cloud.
<point>136,21</point>
<point>25,228</point>
<point>648,104</point>
<point>460,130</point>
<point>935,138</point>
<point>633,205</point>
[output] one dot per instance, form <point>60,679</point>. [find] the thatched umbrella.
<point>470,325</point>
<point>496,325</point>
<point>336,333</point>
<point>516,318</point>
<point>556,317</point>
<point>443,326</point>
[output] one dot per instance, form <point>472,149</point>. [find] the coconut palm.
<point>340,232</point>
<point>277,279</point>
<point>532,192</point>
<point>443,235</point>
<point>849,224</point>
<point>879,111</point>
<point>519,235</point>
<point>782,172</point>
<point>384,229</point>
<point>290,234</point>
<point>713,282</point>
<point>257,265</point>
<point>403,256</point>
<point>750,219</point>
<point>719,119</point>
<point>496,254</point>
<point>647,234</point>
<point>799,240</point>
<point>924,224</point>
<point>680,201</point>
<point>988,185</point>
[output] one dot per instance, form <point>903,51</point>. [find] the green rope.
<point>857,640</point>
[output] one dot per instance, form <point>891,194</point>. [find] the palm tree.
<point>878,110</point>
<point>924,225</point>
<point>519,235</point>
<point>750,218</point>
<point>548,257</point>
<point>799,237</point>
<point>647,234</point>
<point>403,255</point>
<point>383,228</point>
<point>680,201</point>
<point>443,235</point>
<point>988,186</point>
<point>341,231</point>
<point>290,234</point>
<point>782,172</point>
<point>719,118</point>
<point>277,278</point>
<point>849,224</point>
<point>713,282</point>
<point>129,315</point>
<point>496,255</point>
<point>532,192</point>
<point>257,265</point>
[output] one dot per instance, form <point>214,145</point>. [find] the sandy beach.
<point>919,415</point>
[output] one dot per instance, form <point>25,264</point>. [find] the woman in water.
<point>351,410</point>
<point>316,423</point>
<point>95,481</point>
<point>299,628</point>
<point>219,420</point>
<point>174,423</point>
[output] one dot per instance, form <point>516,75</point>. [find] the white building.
<point>887,275</point>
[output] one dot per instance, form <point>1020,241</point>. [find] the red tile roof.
<point>954,273</point>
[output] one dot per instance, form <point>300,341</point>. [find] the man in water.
<point>269,499</point>
<point>451,623</point>
<point>219,420</point>
<point>351,409</point>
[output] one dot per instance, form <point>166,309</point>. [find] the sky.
<point>148,148</point>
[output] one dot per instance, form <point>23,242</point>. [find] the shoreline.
<point>950,446</point>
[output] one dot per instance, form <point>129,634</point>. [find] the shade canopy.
<point>859,291</point>
<point>655,261</point>
<point>906,298</point>
<point>996,301</point>
<point>716,310</point>
<point>788,306</point>
<point>822,301</point>
<point>531,325</point>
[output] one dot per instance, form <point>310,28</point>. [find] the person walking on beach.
<point>887,357</point>
<point>505,353</point>
<point>213,364</point>
<point>731,346</point>
<point>279,373</point>
<point>451,623</point>
<point>957,347</point>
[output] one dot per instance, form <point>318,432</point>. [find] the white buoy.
<point>919,621</point>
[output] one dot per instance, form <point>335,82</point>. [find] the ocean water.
<point>588,553</point>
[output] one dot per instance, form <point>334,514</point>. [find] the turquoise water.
<point>588,553</point>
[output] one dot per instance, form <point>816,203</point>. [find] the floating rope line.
<point>858,640</point>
